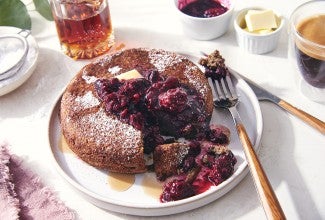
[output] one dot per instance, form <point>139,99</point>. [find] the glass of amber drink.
<point>84,27</point>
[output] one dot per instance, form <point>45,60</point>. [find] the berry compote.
<point>213,163</point>
<point>155,105</point>
<point>163,106</point>
<point>204,8</point>
<point>206,165</point>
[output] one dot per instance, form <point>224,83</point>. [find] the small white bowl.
<point>206,28</point>
<point>256,43</point>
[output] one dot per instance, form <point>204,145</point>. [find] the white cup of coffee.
<point>307,48</point>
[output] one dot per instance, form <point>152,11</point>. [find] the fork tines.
<point>223,88</point>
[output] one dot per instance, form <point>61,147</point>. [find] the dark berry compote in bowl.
<point>205,19</point>
<point>203,8</point>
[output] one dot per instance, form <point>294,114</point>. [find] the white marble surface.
<point>291,152</point>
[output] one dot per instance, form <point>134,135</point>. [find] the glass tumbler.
<point>84,27</point>
<point>307,48</point>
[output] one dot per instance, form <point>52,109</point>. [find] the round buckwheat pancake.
<point>100,138</point>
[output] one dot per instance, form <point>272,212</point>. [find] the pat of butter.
<point>132,74</point>
<point>261,31</point>
<point>260,19</point>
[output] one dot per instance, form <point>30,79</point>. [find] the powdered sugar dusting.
<point>194,80</point>
<point>114,70</point>
<point>183,151</point>
<point>87,101</point>
<point>161,59</point>
<point>109,130</point>
<point>102,61</point>
<point>89,79</point>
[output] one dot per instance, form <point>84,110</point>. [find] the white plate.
<point>92,183</point>
<point>27,68</point>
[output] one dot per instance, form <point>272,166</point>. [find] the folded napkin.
<point>23,195</point>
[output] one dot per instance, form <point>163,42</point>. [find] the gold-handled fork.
<point>225,96</point>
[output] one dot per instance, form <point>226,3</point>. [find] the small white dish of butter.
<point>258,29</point>
<point>260,21</point>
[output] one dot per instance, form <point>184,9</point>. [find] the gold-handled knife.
<point>263,94</point>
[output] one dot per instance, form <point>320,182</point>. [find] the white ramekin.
<point>206,28</point>
<point>256,43</point>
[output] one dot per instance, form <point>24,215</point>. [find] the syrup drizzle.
<point>120,182</point>
<point>63,146</point>
<point>151,186</point>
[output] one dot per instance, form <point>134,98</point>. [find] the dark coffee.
<point>311,57</point>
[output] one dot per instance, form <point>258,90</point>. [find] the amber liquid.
<point>311,59</point>
<point>119,181</point>
<point>84,31</point>
<point>63,146</point>
<point>151,186</point>
<point>122,182</point>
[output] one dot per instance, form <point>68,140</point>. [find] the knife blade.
<point>264,95</point>
<point>260,92</point>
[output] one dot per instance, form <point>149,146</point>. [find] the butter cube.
<point>132,74</point>
<point>260,19</point>
<point>260,31</point>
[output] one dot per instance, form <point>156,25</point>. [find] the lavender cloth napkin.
<point>23,195</point>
